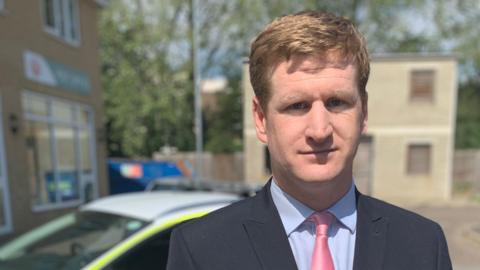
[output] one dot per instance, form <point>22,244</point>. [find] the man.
<point>309,72</point>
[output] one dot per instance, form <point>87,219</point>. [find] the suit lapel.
<point>371,237</point>
<point>267,235</point>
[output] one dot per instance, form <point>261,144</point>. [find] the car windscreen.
<point>69,242</point>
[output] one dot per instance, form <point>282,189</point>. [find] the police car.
<point>127,231</point>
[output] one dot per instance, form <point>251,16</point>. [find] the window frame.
<point>415,74</point>
<point>55,29</point>
<point>409,169</point>
<point>63,21</point>
<point>78,126</point>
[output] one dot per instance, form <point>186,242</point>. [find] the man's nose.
<point>318,126</point>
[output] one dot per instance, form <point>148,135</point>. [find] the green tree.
<point>468,116</point>
<point>457,24</point>
<point>148,97</point>
<point>225,124</point>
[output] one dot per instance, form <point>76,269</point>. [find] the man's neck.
<point>317,195</point>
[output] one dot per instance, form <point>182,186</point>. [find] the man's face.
<point>312,122</point>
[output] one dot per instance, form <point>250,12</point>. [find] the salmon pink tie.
<point>321,259</point>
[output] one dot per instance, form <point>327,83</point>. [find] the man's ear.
<point>259,119</point>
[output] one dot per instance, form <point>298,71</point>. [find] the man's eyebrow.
<point>342,92</point>
<point>347,95</point>
<point>293,97</point>
<point>338,93</point>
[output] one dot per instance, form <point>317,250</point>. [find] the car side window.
<point>152,254</point>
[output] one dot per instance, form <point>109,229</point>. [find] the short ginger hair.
<point>307,33</point>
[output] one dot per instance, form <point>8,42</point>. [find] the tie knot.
<point>322,220</point>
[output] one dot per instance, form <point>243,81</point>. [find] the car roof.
<point>149,205</point>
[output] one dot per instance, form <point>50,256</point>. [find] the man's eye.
<point>335,103</point>
<point>298,106</point>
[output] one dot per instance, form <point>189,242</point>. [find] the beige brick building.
<point>52,148</point>
<point>407,152</point>
<point>412,110</point>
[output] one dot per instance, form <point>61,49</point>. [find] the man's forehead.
<point>313,64</point>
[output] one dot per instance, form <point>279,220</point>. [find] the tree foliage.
<point>147,68</point>
<point>225,124</point>
<point>148,97</point>
<point>457,24</point>
<point>468,116</point>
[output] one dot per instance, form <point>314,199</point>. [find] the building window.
<point>49,14</point>
<point>60,156</point>
<point>2,4</point>
<point>60,18</point>
<point>5,210</point>
<point>422,85</point>
<point>419,159</point>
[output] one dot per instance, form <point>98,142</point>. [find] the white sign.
<point>37,69</point>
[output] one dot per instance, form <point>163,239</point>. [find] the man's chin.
<point>317,174</point>
<point>318,171</point>
<point>317,178</point>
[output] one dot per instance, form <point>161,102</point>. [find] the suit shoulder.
<point>214,221</point>
<point>416,242</point>
<point>399,215</point>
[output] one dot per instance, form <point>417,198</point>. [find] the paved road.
<point>461,224</point>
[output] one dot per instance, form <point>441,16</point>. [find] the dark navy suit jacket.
<point>249,235</point>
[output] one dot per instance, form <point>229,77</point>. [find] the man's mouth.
<point>319,151</point>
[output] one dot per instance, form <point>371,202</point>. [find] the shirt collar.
<point>293,213</point>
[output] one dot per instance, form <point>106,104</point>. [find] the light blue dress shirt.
<point>301,232</point>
